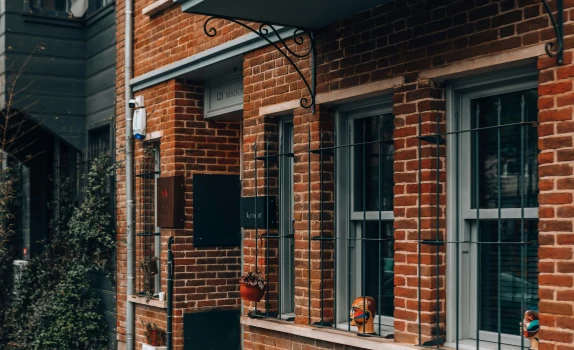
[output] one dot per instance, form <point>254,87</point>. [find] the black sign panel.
<point>215,210</point>
<point>258,210</point>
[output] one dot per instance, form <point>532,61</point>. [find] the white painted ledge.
<point>484,63</point>
<point>338,96</point>
<point>156,6</point>
<point>151,302</point>
<point>328,335</point>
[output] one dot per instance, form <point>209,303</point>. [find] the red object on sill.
<point>154,338</point>
<point>251,293</point>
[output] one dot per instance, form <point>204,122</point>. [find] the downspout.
<point>128,73</point>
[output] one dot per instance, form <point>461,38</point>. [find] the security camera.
<point>132,103</point>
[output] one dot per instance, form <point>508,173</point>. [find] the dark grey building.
<point>57,71</point>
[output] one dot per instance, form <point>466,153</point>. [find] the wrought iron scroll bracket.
<point>266,31</point>
<point>556,49</point>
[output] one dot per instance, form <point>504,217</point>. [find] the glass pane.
<point>502,110</point>
<point>373,163</point>
<point>378,265</point>
<point>512,281</point>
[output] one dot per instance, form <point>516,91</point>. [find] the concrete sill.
<point>152,302</point>
<point>157,6</point>
<point>327,335</point>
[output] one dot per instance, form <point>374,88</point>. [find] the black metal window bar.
<point>360,166</point>
<point>370,152</point>
<point>147,233</point>
<point>268,235</point>
<point>502,152</point>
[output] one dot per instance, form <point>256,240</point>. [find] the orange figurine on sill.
<point>531,326</point>
<point>363,314</point>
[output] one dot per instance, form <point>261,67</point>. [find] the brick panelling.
<point>173,35</point>
<point>400,38</point>
<point>319,127</point>
<point>261,139</point>
<point>205,278</point>
<point>425,101</point>
<point>258,339</point>
<point>556,237</point>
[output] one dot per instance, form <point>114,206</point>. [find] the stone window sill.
<point>151,302</point>
<point>327,335</point>
<point>156,6</point>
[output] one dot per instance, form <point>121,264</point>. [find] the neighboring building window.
<point>365,212</point>
<point>65,8</point>
<point>497,186</point>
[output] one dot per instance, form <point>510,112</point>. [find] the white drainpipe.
<point>128,73</point>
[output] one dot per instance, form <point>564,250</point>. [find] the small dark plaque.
<point>170,202</point>
<point>254,210</point>
<point>215,210</point>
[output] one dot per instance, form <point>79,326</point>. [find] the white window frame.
<point>350,221</point>
<point>459,94</point>
<point>287,200</point>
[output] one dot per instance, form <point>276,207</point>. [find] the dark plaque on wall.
<point>256,211</point>
<point>170,202</point>
<point>215,210</point>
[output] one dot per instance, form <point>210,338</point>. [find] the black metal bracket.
<point>556,49</point>
<point>300,35</point>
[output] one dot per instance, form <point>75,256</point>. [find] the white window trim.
<point>458,97</point>
<point>344,118</point>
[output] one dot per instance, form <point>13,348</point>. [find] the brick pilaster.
<point>425,100</point>
<point>556,201</point>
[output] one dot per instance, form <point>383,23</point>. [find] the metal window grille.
<point>372,197</point>
<point>147,231</point>
<point>500,235</point>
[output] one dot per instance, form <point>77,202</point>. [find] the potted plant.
<point>252,286</point>
<point>155,337</point>
<point>149,266</point>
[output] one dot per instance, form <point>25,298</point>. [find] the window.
<point>287,241</point>
<point>494,190</point>
<point>65,8</point>
<point>365,212</point>
<point>148,233</point>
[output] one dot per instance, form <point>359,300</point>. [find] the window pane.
<point>484,113</point>
<point>511,278</point>
<point>379,273</point>
<point>373,163</point>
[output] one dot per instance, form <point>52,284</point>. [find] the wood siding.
<point>66,68</point>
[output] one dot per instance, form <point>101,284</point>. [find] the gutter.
<point>128,74</point>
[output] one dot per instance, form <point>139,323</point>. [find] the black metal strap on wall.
<point>556,49</point>
<point>266,31</point>
<point>170,273</point>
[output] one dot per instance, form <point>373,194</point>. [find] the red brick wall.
<point>256,339</point>
<point>426,101</point>
<point>172,35</point>
<point>556,184</point>
<point>397,39</point>
<point>205,278</point>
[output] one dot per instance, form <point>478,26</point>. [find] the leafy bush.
<point>55,307</point>
<point>8,210</point>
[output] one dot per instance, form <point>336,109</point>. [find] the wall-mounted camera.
<point>139,120</point>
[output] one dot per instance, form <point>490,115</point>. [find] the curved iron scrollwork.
<point>556,49</point>
<point>300,36</point>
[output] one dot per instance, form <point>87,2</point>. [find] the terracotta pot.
<point>154,338</point>
<point>251,293</point>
